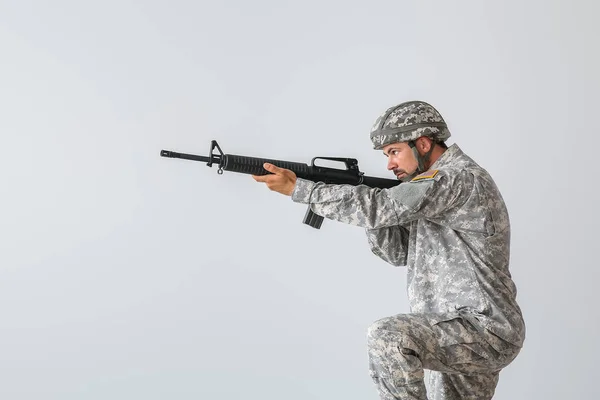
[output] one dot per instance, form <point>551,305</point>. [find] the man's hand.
<point>281,180</point>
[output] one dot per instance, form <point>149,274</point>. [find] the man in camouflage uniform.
<point>448,224</point>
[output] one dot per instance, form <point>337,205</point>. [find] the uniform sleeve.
<point>390,244</point>
<point>375,208</point>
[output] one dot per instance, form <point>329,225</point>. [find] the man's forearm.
<point>355,205</point>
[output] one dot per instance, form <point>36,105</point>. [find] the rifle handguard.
<point>254,166</point>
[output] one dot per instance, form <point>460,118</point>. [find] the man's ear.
<point>424,144</point>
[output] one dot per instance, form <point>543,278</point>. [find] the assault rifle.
<point>254,166</point>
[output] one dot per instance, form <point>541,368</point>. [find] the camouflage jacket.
<point>449,226</point>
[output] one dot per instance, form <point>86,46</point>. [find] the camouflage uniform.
<point>450,227</point>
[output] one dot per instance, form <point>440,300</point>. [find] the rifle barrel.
<point>173,154</point>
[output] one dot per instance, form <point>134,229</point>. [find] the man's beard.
<point>399,171</point>
<point>406,177</point>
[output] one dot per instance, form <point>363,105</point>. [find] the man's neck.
<point>435,154</point>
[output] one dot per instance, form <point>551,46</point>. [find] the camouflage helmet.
<point>406,122</point>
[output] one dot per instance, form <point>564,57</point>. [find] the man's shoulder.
<point>463,161</point>
<point>479,175</point>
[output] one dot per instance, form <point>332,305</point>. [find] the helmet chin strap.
<point>421,160</point>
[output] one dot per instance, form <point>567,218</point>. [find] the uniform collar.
<point>447,156</point>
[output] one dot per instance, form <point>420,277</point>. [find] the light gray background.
<point>124,275</point>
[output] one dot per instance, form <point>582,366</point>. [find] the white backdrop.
<point>125,275</point>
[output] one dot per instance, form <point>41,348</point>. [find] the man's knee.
<point>378,329</point>
<point>394,329</point>
<point>393,355</point>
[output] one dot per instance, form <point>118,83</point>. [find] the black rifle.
<point>254,166</point>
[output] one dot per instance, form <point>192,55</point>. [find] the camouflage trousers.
<point>462,362</point>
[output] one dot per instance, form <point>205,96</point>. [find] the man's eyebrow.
<point>390,149</point>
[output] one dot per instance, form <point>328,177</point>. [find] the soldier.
<point>448,224</point>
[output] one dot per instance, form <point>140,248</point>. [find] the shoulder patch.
<point>426,175</point>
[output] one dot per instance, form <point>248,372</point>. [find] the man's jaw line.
<point>400,173</point>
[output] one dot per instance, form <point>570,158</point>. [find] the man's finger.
<point>260,178</point>
<point>273,168</point>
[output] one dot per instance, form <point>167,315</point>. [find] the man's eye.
<point>394,152</point>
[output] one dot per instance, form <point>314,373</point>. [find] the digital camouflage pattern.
<point>464,365</point>
<point>450,227</point>
<point>406,122</point>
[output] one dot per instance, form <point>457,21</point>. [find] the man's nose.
<point>391,164</point>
